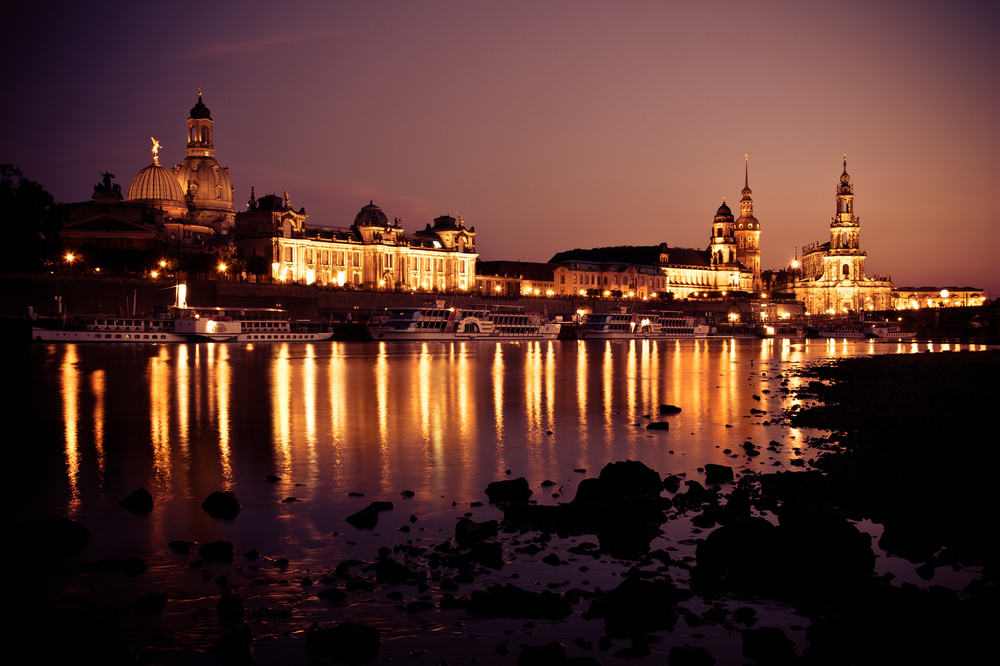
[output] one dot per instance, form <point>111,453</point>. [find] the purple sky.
<point>548,125</point>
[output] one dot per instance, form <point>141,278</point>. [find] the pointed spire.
<point>746,178</point>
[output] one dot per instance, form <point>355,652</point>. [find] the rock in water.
<point>54,536</point>
<point>658,425</point>
<point>216,551</point>
<point>347,642</point>
<point>718,473</point>
<point>367,518</point>
<point>669,409</point>
<point>139,502</point>
<point>468,531</point>
<point>511,490</point>
<point>222,504</point>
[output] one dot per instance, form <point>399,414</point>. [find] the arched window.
<point>847,270</point>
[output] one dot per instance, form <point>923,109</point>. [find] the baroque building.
<point>831,278</point>
<point>372,254</point>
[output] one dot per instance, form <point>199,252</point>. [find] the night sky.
<point>547,125</point>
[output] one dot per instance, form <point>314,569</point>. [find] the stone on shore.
<point>139,502</point>
<point>513,602</point>
<point>718,473</point>
<point>54,536</point>
<point>216,551</point>
<point>468,532</point>
<point>222,504</point>
<point>509,490</point>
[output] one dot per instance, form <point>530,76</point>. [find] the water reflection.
<point>436,417</point>
<point>71,419</point>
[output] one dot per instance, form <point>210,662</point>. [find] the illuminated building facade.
<point>831,278</point>
<point>647,271</point>
<point>371,254</point>
<point>914,298</point>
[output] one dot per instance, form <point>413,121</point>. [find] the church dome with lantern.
<point>204,182</point>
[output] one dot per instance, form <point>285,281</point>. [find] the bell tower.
<point>845,228</point>
<point>200,130</point>
<point>747,231</point>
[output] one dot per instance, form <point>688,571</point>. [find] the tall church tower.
<point>845,260</point>
<point>747,232</point>
<point>845,228</point>
<point>723,242</point>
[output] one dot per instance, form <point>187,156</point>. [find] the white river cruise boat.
<point>625,325</point>
<point>179,323</point>
<point>436,322</point>
<point>887,330</point>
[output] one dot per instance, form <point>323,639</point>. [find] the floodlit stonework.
<point>831,278</point>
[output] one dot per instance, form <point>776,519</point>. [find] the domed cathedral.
<point>195,199</point>
<point>831,278</point>
<point>206,184</point>
<point>747,232</point>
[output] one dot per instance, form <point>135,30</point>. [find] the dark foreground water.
<point>90,424</point>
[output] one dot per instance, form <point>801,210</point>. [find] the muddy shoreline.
<point>909,448</point>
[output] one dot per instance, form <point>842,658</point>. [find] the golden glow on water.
<point>607,382</point>
<point>281,410</point>
<point>338,391</point>
<point>632,377</point>
<point>71,418</point>
<point>158,374</point>
<point>97,385</point>
<point>222,383</point>
<point>183,387</point>
<point>497,372</point>
<point>437,417</point>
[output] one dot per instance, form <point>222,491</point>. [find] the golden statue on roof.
<point>156,149</point>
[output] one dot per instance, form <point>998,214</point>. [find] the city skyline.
<point>548,127</point>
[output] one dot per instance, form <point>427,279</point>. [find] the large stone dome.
<point>371,216</point>
<point>157,186</point>
<point>208,181</point>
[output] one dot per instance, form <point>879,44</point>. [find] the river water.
<point>343,424</point>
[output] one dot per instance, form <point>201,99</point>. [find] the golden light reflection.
<point>223,385</point>
<point>550,386</point>
<point>310,390</point>
<point>97,386</point>
<point>631,375</point>
<point>382,405</point>
<point>607,386</point>
<point>533,392</point>
<point>581,387</point>
<point>71,415</point>
<point>339,390</point>
<point>159,374</point>
<point>498,377</point>
<point>281,410</point>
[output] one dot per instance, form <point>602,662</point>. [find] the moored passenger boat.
<point>887,330</point>
<point>626,325</point>
<point>179,323</point>
<point>436,322</point>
